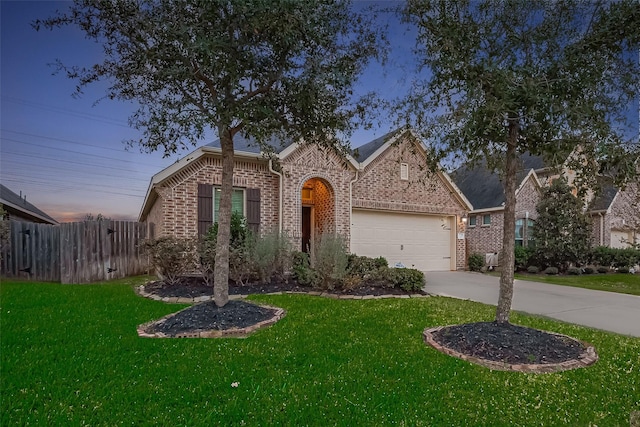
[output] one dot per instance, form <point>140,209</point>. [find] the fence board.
<point>80,252</point>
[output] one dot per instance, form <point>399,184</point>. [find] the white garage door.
<point>418,241</point>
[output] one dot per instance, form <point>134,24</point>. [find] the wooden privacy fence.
<point>77,252</point>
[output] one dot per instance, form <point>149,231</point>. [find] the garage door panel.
<point>421,241</point>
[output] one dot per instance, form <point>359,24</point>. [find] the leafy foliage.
<point>171,257</point>
<point>408,279</point>
<point>4,230</point>
<point>526,76</point>
<point>562,231</point>
<point>275,70</point>
<point>476,262</point>
<point>330,260</point>
<point>522,256</point>
<point>270,256</point>
<point>615,257</point>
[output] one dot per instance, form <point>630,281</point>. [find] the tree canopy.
<point>264,68</point>
<point>516,76</point>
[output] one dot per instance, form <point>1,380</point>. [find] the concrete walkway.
<point>608,311</point>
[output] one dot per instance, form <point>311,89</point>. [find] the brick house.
<point>381,198</point>
<point>485,191</point>
<point>614,220</point>
<point>17,208</point>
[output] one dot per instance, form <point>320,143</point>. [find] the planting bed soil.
<point>526,349</point>
<point>509,343</point>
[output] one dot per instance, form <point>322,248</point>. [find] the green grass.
<point>70,356</point>
<point>621,283</point>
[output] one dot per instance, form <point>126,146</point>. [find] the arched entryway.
<point>318,214</point>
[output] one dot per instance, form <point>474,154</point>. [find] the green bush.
<point>574,271</point>
<point>476,262</point>
<point>589,270</point>
<point>301,269</point>
<point>522,256</point>
<point>615,257</point>
<point>270,256</point>
<point>172,257</point>
<point>602,269</point>
<point>533,269</point>
<point>407,279</point>
<point>330,260</point>
<point>551,270</point>
<point>364,266</point>
<point>623,270</point>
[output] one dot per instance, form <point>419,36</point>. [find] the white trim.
<point>480,211</point>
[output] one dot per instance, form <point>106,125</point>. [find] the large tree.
<point>503,78</point>
<point>263,68</point>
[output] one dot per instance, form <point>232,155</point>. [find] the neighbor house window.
<point>524,233</point>
<point>404,171</point>
<point>237,201</point>
<point>472,221</point>
<point>486,219</point>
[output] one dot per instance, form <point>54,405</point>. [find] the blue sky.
<point>67,154</point>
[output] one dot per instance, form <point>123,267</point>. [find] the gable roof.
<point>484,188</point>
<point>604,197</point>
<point>250,145</point>
<point>12,202</point>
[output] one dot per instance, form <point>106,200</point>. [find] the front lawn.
<point>70,356</point>
<point>621,283</point>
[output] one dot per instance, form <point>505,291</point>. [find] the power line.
<point>88,173</point>
<point>69,161</point>
<point>46,187</point>
<point>66,140</point>
<point>49,179</point>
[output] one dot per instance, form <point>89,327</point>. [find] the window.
<point>472,221</point>
<point>404,171</point>
<point>237,201</point>
<point>524,235</point>
<point>486,219</point>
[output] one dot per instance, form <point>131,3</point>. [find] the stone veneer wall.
<point>176,210</point>
<point>379,187</point>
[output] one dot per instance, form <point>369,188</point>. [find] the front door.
<point>306,229</point>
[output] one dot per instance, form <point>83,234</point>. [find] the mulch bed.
<point>508,343</point>
<point>529,349</point>
<point>235,314</point>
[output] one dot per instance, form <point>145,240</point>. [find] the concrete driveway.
<point>596,309</point>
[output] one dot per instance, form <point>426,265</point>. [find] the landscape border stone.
<point>587,358</point>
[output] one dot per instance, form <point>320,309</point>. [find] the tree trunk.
<point>221,269</point>
<point>509,229</point>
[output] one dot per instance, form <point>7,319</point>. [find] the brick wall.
<point>332,193</point>
<point>176,210</point>
<point>380,187</point>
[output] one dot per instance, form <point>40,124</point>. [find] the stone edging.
<point>278,314</point>
<point>140,290</point>
<point>587,358</point>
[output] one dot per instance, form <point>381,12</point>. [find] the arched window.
<point>524,235</point>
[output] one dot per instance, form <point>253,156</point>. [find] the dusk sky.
<point>67,154</point>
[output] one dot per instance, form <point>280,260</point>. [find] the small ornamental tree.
<point>562,231</point>
<point>276,68</point>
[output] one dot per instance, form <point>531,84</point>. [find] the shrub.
<point>207,254</point>
<point>363,266</point>
<point>408,279</point>
<point>533,269</point>
<point>602,269</point>
<point>171,257</point>
<point>271,256</point>
<point>301,269</point>
<point>522,256</point>
<point>574,271</point>
<point>476,262</point>
<point>623,270</point>
<point>330,260</point>
<point>589,270</point>
<point>551,270</point>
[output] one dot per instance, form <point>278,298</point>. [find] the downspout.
<point>351,205</point>
<point>280,197</point>
<point>601,229</point>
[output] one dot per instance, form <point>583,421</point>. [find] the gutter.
<point>280,195</point>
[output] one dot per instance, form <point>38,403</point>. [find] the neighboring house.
<point>380,199</point>
<point>615,216</point>
<point>614,213</point>
<point>485,191</point>
<point>17,208</point>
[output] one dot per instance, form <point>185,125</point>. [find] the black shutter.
<point>253,209</point>
<point>205,208</point>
